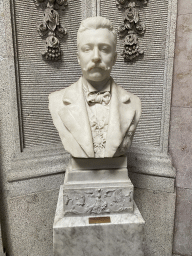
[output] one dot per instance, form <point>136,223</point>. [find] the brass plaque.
<point>95,220</point>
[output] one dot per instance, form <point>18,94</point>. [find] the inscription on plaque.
<point>95,220</point>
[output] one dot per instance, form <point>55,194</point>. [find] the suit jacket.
<point>69,113</point>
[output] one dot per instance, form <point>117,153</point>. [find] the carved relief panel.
<point>97,201</point>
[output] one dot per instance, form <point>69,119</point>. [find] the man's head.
<point>96,42</point>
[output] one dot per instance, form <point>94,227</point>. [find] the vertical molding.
<point>94,8</point>
<point>18,88</point>
<point>89,8</point>
<point>83,13</point>
<point>98,7</point>
<point>168,77</point>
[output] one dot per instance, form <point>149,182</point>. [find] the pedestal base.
<point>97,186</point>
<point>74,236</point>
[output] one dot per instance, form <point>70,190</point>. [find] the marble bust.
<point>95,117</point>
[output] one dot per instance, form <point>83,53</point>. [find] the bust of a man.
<point>95,117</point>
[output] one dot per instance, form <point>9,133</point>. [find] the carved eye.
<point>105,49</point>
<point>86,49</point>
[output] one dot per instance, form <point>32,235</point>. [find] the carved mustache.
<point>91,66</point>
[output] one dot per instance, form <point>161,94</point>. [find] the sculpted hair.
<point>96,23</point>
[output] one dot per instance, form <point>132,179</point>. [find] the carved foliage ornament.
<point>131,28</point>
<point>98,201</point>
<point>122,4</point>
<point>51,28</point>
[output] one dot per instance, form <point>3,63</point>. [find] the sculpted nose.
<point>96,56</point>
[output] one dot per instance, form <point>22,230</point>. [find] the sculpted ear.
<point>78,58</point>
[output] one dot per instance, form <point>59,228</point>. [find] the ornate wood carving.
<point>51,28</point>
<point>131,28</point>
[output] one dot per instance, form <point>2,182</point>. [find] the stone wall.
<point>1,245</point>
<point>31,182</point>
<point>181,129</point>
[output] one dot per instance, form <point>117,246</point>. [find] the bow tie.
<point>98,97</point>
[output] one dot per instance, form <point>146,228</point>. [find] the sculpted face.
<point>96,54</point>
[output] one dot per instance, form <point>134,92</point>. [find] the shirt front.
<point>98,113</point>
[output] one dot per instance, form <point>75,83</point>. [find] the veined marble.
<point>75,236</point>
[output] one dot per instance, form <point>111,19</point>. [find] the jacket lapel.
<point>75,118</point>
<point>120,118</point>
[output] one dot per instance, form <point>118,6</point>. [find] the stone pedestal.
<point>115,235</point>
<point>96,214</point>
<point>97,186</point>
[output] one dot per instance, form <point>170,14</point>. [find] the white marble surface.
<point>75,236</point>
<point>97,186</point>
<point>104,191</point>
<point>86,135</point>
<point>98,163</point>
<point>81,170</point>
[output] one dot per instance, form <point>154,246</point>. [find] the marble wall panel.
<point>181,132</point>
<point>157,209</point>
<point>31,223</point>
<point>183,223</point>
<point>181,145</point>
<point>1,243</point>
<point>182,89</point>
<point>184,7</point>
